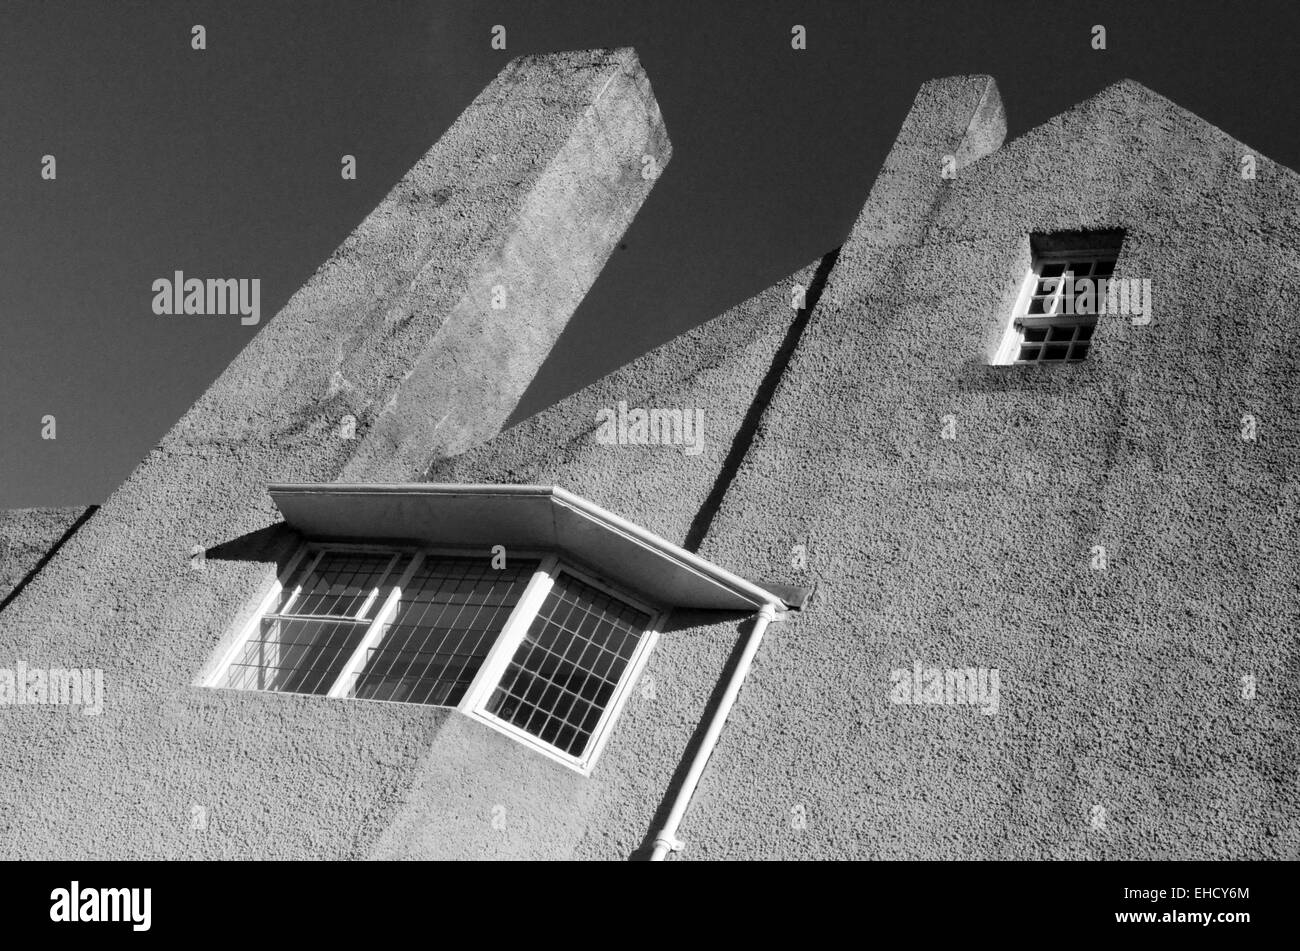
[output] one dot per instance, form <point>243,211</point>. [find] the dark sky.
<point>225,163</point>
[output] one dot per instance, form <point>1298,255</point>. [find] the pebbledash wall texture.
<point>947,512</point>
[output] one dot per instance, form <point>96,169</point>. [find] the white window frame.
<point>408,558</point>
<point>307,554</point>
<point>494,667</point>
<point>1013,336</point>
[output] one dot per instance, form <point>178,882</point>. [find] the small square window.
<point>1056,315</point>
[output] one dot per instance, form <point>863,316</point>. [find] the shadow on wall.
<point>274,543</point>
<point>699,527</point>
<point>44,560</point>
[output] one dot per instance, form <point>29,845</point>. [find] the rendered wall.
<point>556,142</point>
<point>1121,688</point>
<point>546,810</point>
<point>479,794</point>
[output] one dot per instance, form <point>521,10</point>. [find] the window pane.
<point>447,620</point>
<point>565,672</point>
<point>295,655</point>
<point>337,586</point>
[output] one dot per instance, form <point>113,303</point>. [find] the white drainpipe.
<point>666,841</point>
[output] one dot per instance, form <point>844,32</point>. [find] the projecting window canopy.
<point>527,517</point>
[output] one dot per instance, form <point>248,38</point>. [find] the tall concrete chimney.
<point>415,339</point>
<point>423,330</point>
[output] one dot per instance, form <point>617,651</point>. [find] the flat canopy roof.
<point>525,516</point>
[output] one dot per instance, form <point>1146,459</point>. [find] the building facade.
<point>1030,569</point>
